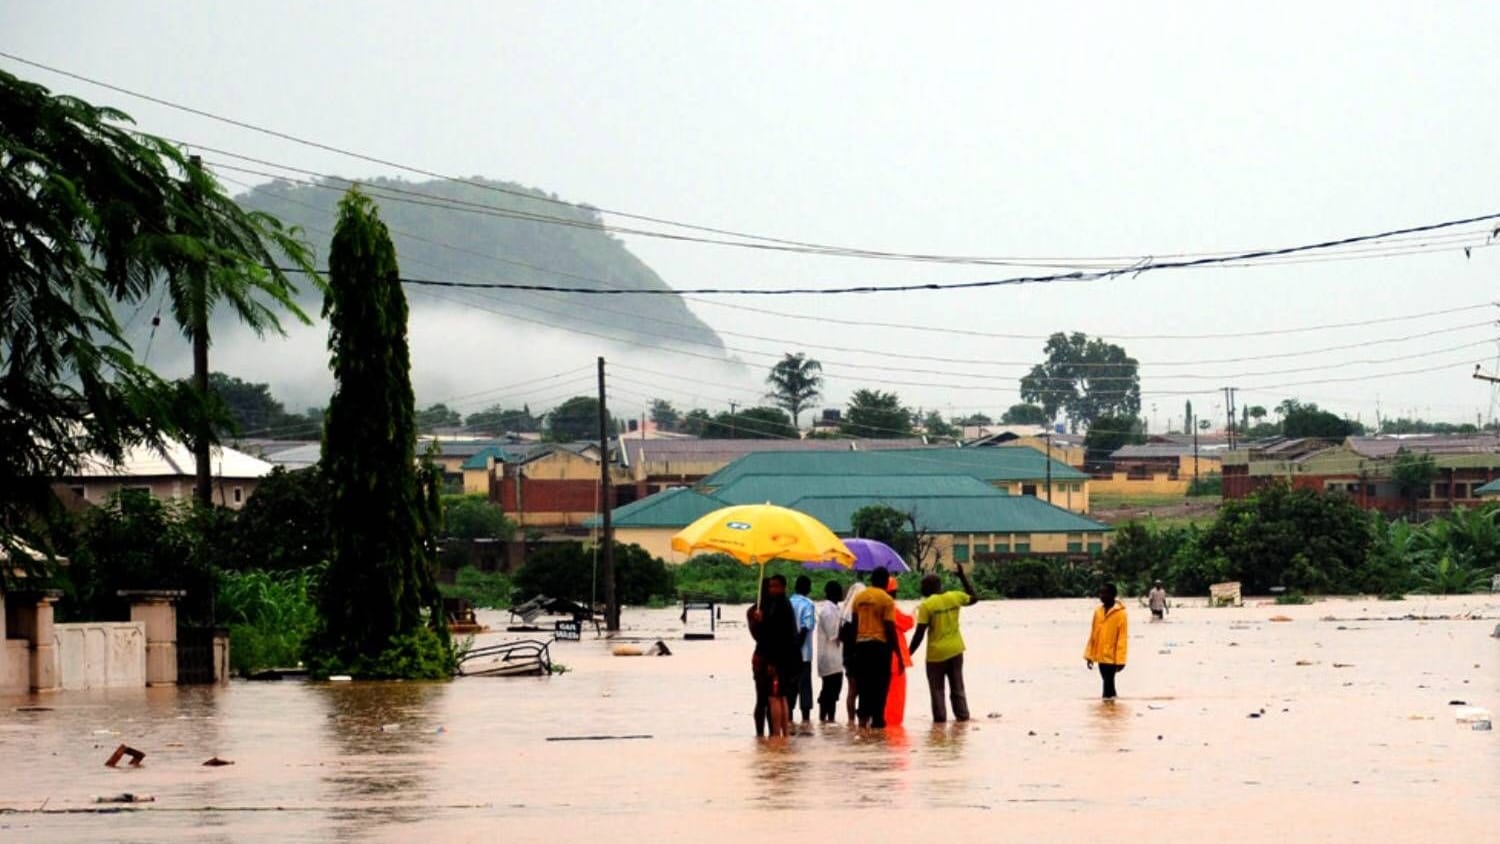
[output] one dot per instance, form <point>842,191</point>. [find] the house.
<point>1161,467</point>
<point>545,485</point>
<point>656,464</point>
<point>964,517</point>
<point>1015,471</point>
<point>166,473</point>
<point>1363,468</point>
<point>1067,448</point>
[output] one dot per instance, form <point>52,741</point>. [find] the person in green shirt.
<point>938,613</point>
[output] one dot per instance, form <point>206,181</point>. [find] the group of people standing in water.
<point>860,637</point>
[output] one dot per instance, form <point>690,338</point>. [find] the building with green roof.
<point>1017,471</point>
<point>968,506</point>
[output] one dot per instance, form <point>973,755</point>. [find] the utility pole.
<point>1229,407</point>
<point>203,489</point>
<point>732,406</point>
<point>606,503</point>
<point>1194,421</point>
<point>1049,467</point>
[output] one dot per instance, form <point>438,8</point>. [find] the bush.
<point>490,589</point>
<point>722,578</point>
<point>1292,598</point>
<point>566,570</point>
<point>474,517</point>
<point>423,654</point>
<point>1036,578</point>
<point>1211,484</point>
<point>269,615</point>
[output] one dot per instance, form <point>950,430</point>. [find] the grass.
<point>1116,501</point>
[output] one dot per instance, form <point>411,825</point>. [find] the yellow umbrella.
<point>757,533</point>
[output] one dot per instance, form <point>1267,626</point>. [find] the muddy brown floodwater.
<point>1357,742</point>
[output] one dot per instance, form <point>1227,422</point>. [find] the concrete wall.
<point>231,492</point>
<point>101,655</point>
<point>15,667</point>
<point>1160,484</point>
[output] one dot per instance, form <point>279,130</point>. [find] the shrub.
<point>566,570</point>
<point>480,588</point>
<point>1292,598</point>
<point>423,654</point>
<point>269,615</point>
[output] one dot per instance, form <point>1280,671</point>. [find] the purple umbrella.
<point>869,555</point>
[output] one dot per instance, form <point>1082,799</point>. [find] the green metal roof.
<point>1491,488</point>
<point>780,489</point>
<point>956,514</point>
<point>671,508</point>
<point>986,464</point>
<point>495,451</point>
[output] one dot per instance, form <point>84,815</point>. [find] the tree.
<point>1025,414</point>
<point>936,426</point>
<point>876,415</point>
<point>795,382</point>
<point>695,422</point>
<point>1085,379</point>
<point>1298,539</point>
<point>566,570</point>
<point>1256,412</point>
<point>438,416</point>
<point>975,420</point>
<point>475,517</point>
<point>1307,420</point>
<point>284,525</point>
<point>577,419</point>
<point>664,414</point>
<point>1413,474</point>
<point>1187,417</point>
<point>251,409</point>
<point>1108,433</point>
<point>884,523</point>
<point>93,216</point>
<point>380,586</point>
<point>755,423</point>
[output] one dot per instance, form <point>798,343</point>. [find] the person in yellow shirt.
<point>938,613</point>
<point>1108,639</point>
<point>876,640</point>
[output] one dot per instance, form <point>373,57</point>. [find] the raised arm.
<point>963,577</point>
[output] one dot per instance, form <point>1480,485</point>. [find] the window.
<point>960,551</point>
<point>981,548</point>
<point>1096,547</point>
<point>1023,547</point>
<point>81,492</point>
<point>1028,489</point>
<point>1075,543</point>
<point>1439,490</point>
<point>239,494</point>
<point>1461,491</point>
<point>1002,544</point>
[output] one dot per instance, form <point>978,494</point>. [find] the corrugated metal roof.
<point>1391,446</point>
<point>1491,488</point>
<point>959,514</point>
<point>1128,452</point>
<point>726,449</point>
<point>671,508</point>
<point>986,464</point>
<point>777,489</point>
<point>173,459</point>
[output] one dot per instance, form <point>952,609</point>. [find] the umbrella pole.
<point>760,585</point>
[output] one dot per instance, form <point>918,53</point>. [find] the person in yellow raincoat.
<point>1108,638</point>
<point>895,699</point>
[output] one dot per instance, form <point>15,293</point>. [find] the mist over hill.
<point>479,231</point>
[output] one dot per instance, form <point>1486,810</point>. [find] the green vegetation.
<point>874,414</point>
<point>727,580</point>
<point>379,591</point>
<point>474,516</point>
<point>490,589</point>
<point>1309,543</point>
<point>752,423</point>
<point>1025,414</point>
<point>1084,378</point>
<point>795,382</point>
<point>98,217</point>
<point>567,570</point>
<point>1210,485</point>
<point>1292,598</point>
<point>576,419</point>
<point>1108,433</point>
<point>270,616</point>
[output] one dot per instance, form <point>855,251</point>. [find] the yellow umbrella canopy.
<point>757,533</point>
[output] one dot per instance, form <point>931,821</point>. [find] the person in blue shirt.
<point>807,625</point>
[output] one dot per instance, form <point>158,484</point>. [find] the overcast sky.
<point>1035,130</point>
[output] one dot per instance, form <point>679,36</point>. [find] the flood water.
<point>1358,744</point>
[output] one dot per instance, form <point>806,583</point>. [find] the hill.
<point>477,233</point>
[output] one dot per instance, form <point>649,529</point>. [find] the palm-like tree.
<point>795,382</point>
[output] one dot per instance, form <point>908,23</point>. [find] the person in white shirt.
<point>830,651</point>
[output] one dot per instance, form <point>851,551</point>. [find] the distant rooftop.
<point>173,459</point>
